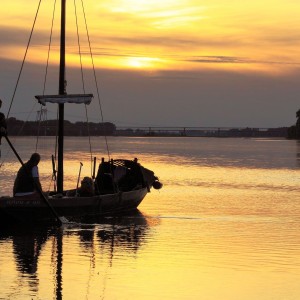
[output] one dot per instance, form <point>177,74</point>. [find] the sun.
<point>142,62</point>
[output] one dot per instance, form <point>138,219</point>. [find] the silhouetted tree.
<point>298,124</point>
<point>30,128</point>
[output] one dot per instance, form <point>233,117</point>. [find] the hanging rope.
<point>21,69</point>
<point>79,47</point>
<point>49,47</point>
<point>95,78</point>
<point>89,135</point>
<point>19,76</point>
<point>83,87</point>
<point>56,138</point>
<point>39,126</point>
<point>46,72</point>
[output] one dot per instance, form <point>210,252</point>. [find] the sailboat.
<point>111,197</point>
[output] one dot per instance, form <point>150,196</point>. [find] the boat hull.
<point>35,210</point>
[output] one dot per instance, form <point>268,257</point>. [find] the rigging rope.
<point>79,47</point>
<point>55,153</point>
<point>49,47</point>
<point>21,69</point>
<point>46,72</point>
<point>95,78</point>
<point>83,87</point>
<point>39,126</point>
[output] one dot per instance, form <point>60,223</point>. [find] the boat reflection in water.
<point>47,257</point>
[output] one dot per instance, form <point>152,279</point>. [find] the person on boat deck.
<point>3,126</point>
<point>27,181</point>
<point>86,189</point>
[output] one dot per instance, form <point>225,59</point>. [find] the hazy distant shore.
<point>49,128</point>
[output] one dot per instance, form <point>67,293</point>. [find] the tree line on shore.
<point>50,127</point>
<point>294,130</point>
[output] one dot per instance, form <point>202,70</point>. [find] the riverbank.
<point>49,128</point>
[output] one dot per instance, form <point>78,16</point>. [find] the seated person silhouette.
<point>27,181</point>
<point>86,188</point>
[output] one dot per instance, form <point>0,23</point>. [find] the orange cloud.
<point>166,35</point>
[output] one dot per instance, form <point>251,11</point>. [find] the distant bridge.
<point>202,131</point>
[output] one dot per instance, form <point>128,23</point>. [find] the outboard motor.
<point>157,185</point>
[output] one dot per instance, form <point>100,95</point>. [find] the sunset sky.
<point>166,63</point>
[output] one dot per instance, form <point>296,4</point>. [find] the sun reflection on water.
<point>219,220</point>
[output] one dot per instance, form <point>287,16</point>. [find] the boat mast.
<point>61,108</point>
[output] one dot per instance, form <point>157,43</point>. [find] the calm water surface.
<point>226,225</point>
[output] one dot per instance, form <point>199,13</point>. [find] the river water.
<point>226,225</point>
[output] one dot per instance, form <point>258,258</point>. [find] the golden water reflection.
<point>224,226</point>
<point>242,257</point>
<point>65,263</point>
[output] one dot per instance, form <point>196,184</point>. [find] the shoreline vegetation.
<point>294,131</point>
<point>49,128</point>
